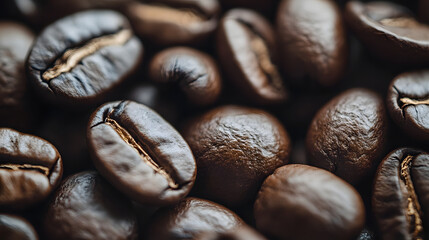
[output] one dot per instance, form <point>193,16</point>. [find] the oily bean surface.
<point>82,57</point>
<point>16,228</point>
<point>30,169</point>
<point>304,202</point>
<point>140,153</point>
<point>348,135</point>
<point>85,206</point>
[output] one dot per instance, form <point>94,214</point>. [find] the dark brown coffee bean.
<point>30,168</point>
<point>401,195</point>
<point>80,58</point>
<point>195,72</point>
<point>140,153</point>
<point>174,22</point>
<point>242,232</point>
<point>304,202</point>
<point>86,207</point>
<point>408,103</point>
<point>236,148</point>
<point>312,40</point>
<point>246,48</point>
<point>16,228</point>
<point>190,218</point>
<point>389,31</point>
<point>15,42</point>
<point>348,135</point>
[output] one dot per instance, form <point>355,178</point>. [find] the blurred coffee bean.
<point>140,154</point>
<point>174,22</point>
<point>390,32</point>
<point>235,149</point>
<point>16,228</point>
<point>246,48</point>
<point>401,195</point>
<point>304,202</point>
<point>408,103</point>
<point>192,217</point>
<point>348,135</point>
<point>30,169</point>
<point>80,58</point>
<point>86,207</point>
<point>195,72</point>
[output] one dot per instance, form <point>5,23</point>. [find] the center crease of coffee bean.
<point>407,101</point>
<point>126,136</point>
<point>414,214</point>
<point>72,57</point>
<point>168,15</point>
<point>400,22</point>
<point>28,167</point>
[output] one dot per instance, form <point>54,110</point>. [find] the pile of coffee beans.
<point>214,119</point>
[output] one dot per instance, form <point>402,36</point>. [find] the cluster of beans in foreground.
<point>214,119</point>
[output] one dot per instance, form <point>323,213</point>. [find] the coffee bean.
<point>246,48</point>
<point>30,168</point>
<point>401,195</point>
<point>235,149</point>
<point>313,42</point>
<point>242,232</point>
<point>390,32</point>
<point>182,22</point>
<point>195,72</point>
<point>140,153</point>
<point>408,103</point>
<point>304,202</point>
<point>80,58</point>
<point>86,207</point>
<point>190,218</point>
<point>16,228</point>
<point>348,135</point>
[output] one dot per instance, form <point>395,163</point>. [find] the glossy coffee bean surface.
<point>85,206</point>
<point>16,228</point>
<point>304,202</point>
<point>30,169</point>
<point>140,154</point>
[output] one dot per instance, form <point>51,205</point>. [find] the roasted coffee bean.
<point>195,72</point>
<point>236,148</point>
<point>242,232</point>
<point>16,228</point>
<point>304,202</point>
<point>140,154</point>
<point>312,41</point>
<point>408,103</point>
<point>15,42</point>
<point>174,22</point>
<point>401,195</point>
<point>390,32</point>
<point>246,48</point>
<point>30,168</point>
<point>192,217</point>
<point>80,58</point>
<point>86,207</point>
<point>348,135</point>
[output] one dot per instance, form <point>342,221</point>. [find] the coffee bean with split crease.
<point>30,169</point>
<point>348,135</point>
<point>312,41</point>
<point>16,228</point>
<point>190,218</point>
<point>408,103</point>
<point>85,206</point>
<point>246,48</point>
<point>195,72</point>
<point>174,22</point>
<point>400,200</point>
<point>390,32</point>
<point>140,154</point>
<point>81,58</point>
<point>304,202</point>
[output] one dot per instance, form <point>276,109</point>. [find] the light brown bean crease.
<point>167,14</point>
<point>128,138</point>
<point>408,101</point>
<point>400,22</point>
<point>28,167</point>
<point>72,57</point>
